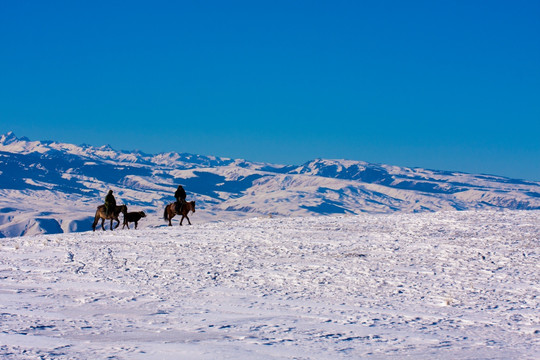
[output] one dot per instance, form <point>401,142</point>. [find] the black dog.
<point>133,217</point>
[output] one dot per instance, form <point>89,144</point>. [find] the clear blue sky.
<point>452,85</point>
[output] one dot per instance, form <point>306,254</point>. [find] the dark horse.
<point>100,214</point>
<point>170,212</point>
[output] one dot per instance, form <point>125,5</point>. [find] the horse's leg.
<point>189,222</point>
<point>135,225</point>
<point>170,218</point>
<point>103,224</point>
<point>96,220</point>
<point>182,219</point>
<point>117,222</point>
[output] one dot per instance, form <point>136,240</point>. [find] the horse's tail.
<point>165,217</point>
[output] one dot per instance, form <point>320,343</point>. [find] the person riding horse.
<point>110,203</point>
<point>180,196</point>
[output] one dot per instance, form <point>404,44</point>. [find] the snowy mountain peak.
<point>345,169</point>
<point>8,138</point>
<point>106,148</point>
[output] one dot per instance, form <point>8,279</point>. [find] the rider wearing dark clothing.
<point>110,203</point>
<point>180,196</point>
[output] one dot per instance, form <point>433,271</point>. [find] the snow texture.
<point>445,285</point>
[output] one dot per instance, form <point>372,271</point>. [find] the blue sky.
<point>451,85</point>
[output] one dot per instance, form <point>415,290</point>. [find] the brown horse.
<point>170,212</point>
<point>100,214</point>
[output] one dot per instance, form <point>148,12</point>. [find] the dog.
<point>133,217</point>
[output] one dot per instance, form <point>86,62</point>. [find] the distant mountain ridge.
<point>49,186</point>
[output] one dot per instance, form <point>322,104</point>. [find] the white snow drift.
<point>432,285</point>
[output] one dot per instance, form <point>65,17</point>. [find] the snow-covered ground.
<point>430,285</point>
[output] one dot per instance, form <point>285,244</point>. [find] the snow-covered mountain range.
<point>52,187</point>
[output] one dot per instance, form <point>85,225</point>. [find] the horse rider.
<point>180,196</point>
<point>110,203</point>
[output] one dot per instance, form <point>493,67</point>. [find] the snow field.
<point>430,285</point>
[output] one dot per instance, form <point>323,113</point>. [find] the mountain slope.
<point>61,184</point>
